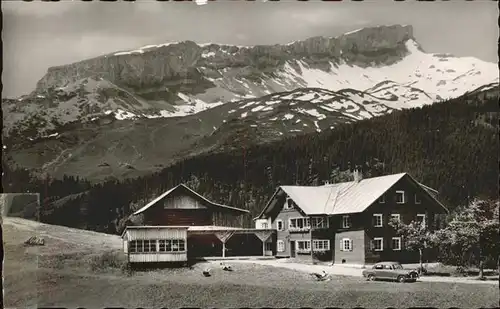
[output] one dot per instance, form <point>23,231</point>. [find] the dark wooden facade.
<point>362,231</point>
<point>183,208</point>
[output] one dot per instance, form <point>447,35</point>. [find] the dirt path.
<point>354,272</point>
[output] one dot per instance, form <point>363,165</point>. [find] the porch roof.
<point>201,229</point>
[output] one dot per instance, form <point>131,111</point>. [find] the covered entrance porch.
<point>219,242</point>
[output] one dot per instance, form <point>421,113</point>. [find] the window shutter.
<point>350,245</point>
<point>341,245</point>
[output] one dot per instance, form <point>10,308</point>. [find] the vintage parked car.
<point>390,271</point>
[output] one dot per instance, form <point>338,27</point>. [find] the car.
<point>390,271</point>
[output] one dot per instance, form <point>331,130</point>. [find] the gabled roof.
<point>342,198</point>
<point>156,200</point>
<point>428,188</point>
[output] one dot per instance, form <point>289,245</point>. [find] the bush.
<point>422,270</point>
<point>460,271</point>
<point>108,260</point>
<point>126,269</point>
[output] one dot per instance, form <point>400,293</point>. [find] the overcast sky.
<point>37,36</point>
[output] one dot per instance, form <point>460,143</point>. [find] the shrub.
<point>422,270</point>
<point>107,260</point>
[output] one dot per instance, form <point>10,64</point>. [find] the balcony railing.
<point>309,250</point>
<point>299,229</point>
<point>306,228</point>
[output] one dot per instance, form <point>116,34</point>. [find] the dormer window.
<point>288,203</point>
<point>381,200</point>
<point>417,199</point>
<point>400,197</point>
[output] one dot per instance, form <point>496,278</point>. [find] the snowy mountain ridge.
<point>180,78</point>
<point>143,101</point>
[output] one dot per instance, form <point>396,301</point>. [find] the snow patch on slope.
<point>441,77</point>
<point>143,49</point>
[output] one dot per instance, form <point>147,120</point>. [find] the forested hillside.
<point>451,146</point>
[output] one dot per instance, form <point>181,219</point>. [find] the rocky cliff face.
<point>167,65</point>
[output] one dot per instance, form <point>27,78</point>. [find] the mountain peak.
<point>403,30</point>
<point>369,39</point>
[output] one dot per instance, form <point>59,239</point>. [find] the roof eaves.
<point>431,196</point>
<point>154,201</point>
<point>212,203</point>
<point>163,195</point>
<point>300,207</point>
<point>428,188</point>
<point>268,203</point>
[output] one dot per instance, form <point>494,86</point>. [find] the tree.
<point>473,232</point>
<point>415,236</point>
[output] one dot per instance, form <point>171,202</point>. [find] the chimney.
<point>357,175</point>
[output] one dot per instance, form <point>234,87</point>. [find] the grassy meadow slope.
<point>78,268</point>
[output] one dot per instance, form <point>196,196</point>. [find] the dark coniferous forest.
<point>451,146</point>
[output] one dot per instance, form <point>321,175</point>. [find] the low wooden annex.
<point>181,224</point>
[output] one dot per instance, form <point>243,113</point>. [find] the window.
<point>281,246</point>
<point>396,217</point>
<point>288,203</point>
<point>381,199</point>
<point>319,223</point>
<point>379,266</point>
<point>149,245</point>
<point>142,246</point>
<point>303,245</point>
<point>400,197</point>
<point>377,220</point>
<point>264,225</point>
<point>421,218</point>
<point>346,221</point>
<point>269,246</point>
<point>321,244</point>
<point>299,224</point>
<point>346,244</point>
<point>178,245</point>
<point>172,245</point>
<point>417,199</point>
<point>165,245</point>
<point>279,225</point>
<point>396,243</point>
<point>378,244</point>
<point>135,246</point>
